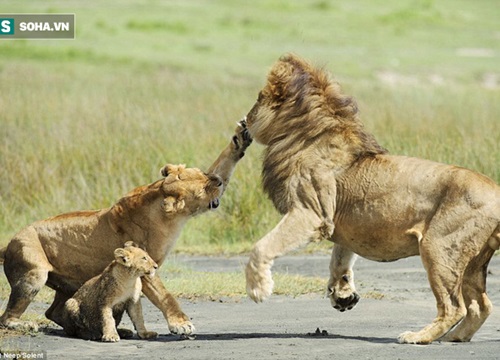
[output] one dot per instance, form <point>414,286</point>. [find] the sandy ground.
<point>284,327</point>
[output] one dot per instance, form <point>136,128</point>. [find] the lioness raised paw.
<point>242,138</point>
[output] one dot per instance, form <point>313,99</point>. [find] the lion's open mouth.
<point>214,204</point>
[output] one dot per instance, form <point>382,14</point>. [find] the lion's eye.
<point>144,258</point>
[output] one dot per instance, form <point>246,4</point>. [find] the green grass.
<point>152,82</point>
<point>186,283</point>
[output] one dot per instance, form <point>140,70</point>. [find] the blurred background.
<point>152,82</point>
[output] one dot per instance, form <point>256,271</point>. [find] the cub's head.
<point>135,259</point>
<point>189,191</point>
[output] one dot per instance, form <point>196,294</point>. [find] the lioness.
<point>95,310</point>
<point>331,180</point>
<point>65,251</point>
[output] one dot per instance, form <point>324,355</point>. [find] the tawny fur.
<point>95,310</point>
<point>65,251</point>
<point>331,180</point>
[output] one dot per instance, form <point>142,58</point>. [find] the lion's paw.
<point>456,336</point>
<point>342,292</point>
<point>125,333</point>
<point>20,325</point>
<point>410,337</point>
<point>180,328</point>
<point>113,337</point>
<point>146,335</point>
<point>242,138</point>
<point>343,303</point>
<point>259,282</point>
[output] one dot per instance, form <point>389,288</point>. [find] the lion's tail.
<point>2,254</point>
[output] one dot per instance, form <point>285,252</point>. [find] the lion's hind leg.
<point>446,285</point>
<point>477,302</point>
<point>447,259</point>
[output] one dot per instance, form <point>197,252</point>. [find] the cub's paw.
<point>242,138</point>
<point>113,337</point>
<point>146,335</point>
<point>259,282</point>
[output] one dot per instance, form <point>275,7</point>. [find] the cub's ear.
<point>172,204</point>
<point>130,244</point>
<point>122,256</point>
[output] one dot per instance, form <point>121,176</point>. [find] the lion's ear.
<point>122,256</point>
<point>278,80</point>
<point>172,204</point>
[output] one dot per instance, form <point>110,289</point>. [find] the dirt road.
<point>285,327</point>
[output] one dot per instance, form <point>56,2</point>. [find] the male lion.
<point>65,251</point>
<point>95,310</point>
<point>325,172</point>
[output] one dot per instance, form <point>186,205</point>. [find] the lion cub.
<point>96,308</point>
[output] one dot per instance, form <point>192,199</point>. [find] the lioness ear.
<point>122,256</point>
<point>167,169</point>
<point>172,204</point>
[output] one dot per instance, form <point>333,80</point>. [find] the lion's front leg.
<point>341,289</point>
<point>297,228</point>
<point>178,322</point>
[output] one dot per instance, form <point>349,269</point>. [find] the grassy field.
<point>152,82</point>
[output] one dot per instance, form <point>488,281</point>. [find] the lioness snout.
<point>216,179</point>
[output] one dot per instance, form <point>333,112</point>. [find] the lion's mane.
<point>314,124</point>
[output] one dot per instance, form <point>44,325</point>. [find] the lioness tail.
<point>2,254</point>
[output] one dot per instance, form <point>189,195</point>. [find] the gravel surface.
<point>306,327</point>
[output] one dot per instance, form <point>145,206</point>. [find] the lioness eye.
<point>144,258</point>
